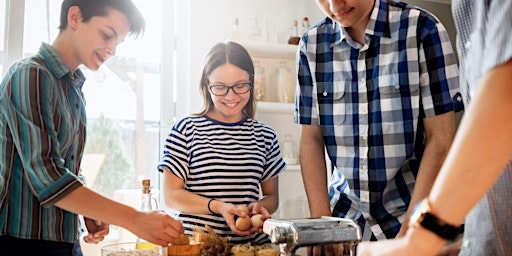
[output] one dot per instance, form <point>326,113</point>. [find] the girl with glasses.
<point>222,158</point>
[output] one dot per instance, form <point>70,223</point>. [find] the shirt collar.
<point>57,66</point>
<point>378,25</point>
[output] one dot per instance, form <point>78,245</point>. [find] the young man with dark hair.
<point>42,138</point>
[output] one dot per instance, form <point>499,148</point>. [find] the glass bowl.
<point>130,249</point>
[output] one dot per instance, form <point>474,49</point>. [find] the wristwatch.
<point>422,216</point>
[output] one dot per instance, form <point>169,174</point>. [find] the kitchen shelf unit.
<point>279,116</point>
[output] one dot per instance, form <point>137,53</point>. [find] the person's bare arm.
<point>439,131</point>
<point>314,170</point>
<point>156,227</point>
<point>481,149</point>
<point>270,192</point>
<point>178,198</point>
<point>479,153</point>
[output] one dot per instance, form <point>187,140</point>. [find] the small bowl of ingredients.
<point>133,249</point>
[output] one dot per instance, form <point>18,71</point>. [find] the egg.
<point>257,220</point>
<point>244,208</point>
<point>243,223</point>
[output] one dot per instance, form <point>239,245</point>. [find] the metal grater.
<point>291,234</point>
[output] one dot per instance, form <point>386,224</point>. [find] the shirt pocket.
<point>399,102</point>
<point>332,102</point>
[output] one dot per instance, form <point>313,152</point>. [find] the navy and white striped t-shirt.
<point>224,161</point>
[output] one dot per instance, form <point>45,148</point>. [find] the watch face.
<point>415,217</point>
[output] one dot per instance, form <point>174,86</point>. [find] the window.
<point>2,34</point>
<point>129,100</point>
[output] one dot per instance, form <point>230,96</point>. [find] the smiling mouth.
<point>342,14</point>
<point>232,104</point>
<point>100,57</point>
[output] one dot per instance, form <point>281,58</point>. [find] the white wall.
<point>203,23</point>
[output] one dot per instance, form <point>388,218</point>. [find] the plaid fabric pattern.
<point>370,101</point>
<point>484,42</point>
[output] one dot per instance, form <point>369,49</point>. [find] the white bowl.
<point>129,249</point>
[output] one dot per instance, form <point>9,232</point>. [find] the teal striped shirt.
<point>42,137</point>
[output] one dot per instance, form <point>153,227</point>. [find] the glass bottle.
<point>294,34</point>
<point>236,34</point>
<point>285,84</point>
<point>255,31</point>
<point>148,203</point>
<point>260,82</point>
<point>289,150</point>
<point>305,25</point>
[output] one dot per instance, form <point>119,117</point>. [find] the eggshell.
<point>243,223</point>
<point>244,208</point>
<point>257,220</point>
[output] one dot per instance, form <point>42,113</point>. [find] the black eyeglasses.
<point>221,90</point>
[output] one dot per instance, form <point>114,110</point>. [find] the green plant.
<point>104,137</point>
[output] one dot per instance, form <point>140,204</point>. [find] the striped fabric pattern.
<point>370,101</point>
<point>42,136</point>
<point>223,161</point>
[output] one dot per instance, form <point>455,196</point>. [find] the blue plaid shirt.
<point>370,101</point>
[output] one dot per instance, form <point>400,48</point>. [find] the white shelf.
<point>274,107</point>
<point>270,51</point>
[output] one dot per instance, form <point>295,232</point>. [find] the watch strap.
<point>429,221</point>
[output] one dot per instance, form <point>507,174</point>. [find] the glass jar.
<point>255,34</point>
<point>290,155</point>
<point>285,84</point>
<point>260,82</point>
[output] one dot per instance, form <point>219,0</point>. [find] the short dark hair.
<point>92,8</point>
<point>220,54</point>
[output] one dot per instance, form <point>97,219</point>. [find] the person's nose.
<point>336,5</point>
<point>111,48</point>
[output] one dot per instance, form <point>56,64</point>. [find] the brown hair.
<point>220,54</point>
<point>94,8</point>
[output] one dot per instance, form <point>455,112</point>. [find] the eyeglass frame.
<point>210,86</point>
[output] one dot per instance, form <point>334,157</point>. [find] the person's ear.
<point>74,17</point>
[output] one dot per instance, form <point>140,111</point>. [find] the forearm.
<point>481,149</point>
<point>88,203</point>
<point>187,202</point>
<point>270,191</point>
<point>270,202</point>
<point>314,173</point>
<point>440,131</point>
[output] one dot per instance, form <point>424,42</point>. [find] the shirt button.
<point>467,45</point>
<point>325,93</point>
<point>459,98</point>
<point>72,157</point>
<point>397,87</point>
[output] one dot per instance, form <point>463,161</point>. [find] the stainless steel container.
<point>291,234</point>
